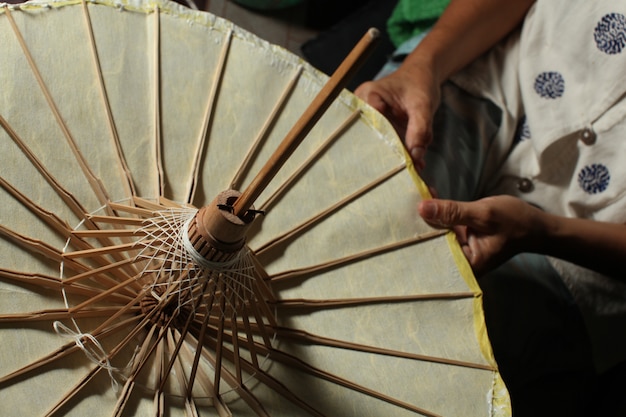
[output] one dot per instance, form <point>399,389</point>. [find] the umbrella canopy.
<point>119,122</point>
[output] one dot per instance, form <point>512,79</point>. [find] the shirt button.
<point>525,185</point>
<point>588,136</point>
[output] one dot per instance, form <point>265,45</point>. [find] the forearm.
<point>466,29</point>
<point>595,245</point>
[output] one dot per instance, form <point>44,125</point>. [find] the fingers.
<point>456,215</point>
<point>408,110</point>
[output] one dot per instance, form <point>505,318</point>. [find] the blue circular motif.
<point>523,131</point>
<point>594,178</point>
<point>610,33</point>
<point>550,84</point>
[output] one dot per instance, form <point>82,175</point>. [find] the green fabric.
<point>412,17</point>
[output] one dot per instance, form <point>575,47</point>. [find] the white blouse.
<point>561,83</point>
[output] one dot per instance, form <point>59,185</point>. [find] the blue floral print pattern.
<point>550,84</point>
<point>594,178</point>
<point>610,33</point>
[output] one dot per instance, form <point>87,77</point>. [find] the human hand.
<point>408,98</point>
<point>490,230</point>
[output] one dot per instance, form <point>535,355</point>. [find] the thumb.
<point>444,213</point>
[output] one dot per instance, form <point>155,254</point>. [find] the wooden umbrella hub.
<point>216,233</point>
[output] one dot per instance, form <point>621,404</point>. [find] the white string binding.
<point>97,354</point>
<point>201,260</point>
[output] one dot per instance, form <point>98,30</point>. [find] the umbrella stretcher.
<point>127,130</point>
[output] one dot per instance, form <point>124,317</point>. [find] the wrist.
<point>544,230</point>
<point>428,57</point>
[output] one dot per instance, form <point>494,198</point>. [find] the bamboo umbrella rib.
<point>129,184</point>
<point>235,342</point>
<point>303,366</point>
<point>59,314</point>
<point>125,221</point>
<point>263,377</point>
<point>310,160</point>
<point>352,302</point>
<point>54,283</point>
<point>261,278</point>
<point>208,115</point>
<point>71,202</point>
<point>123,398</point>
<point>123,310</point>
<point>181,338</point>
<point>94,272</point>
<point>242,390</point>
<point>145,319</point>
<point>142,357</point>
<point>258,328</point>
<point>124,247</point>
<point>219,348</point>
<point>108,277</point>
<point>144,354</point>
<point>179,370</point>
<point>96,185</point>
<point>296,363</point>
<point>190,405</point>
<point>103,295</point>
<point>196,359</point>
<point>113,232</point>
<point>285,333</point>
<point>265,331</point>
<point>158,146</point>
<point>250,337</point>
<point>150,205</point>
<point>265,129</point>
<point>55,355</point>
<point>297,273</point>
<point>92,373</point>
<point>37,246</point>
<point>51,219</point>
<point>261,307</point>
<point>307,120</point>
<point>159,399</point>
<point>327,212</point>
<point>201,377</point>
<point>311,339</point>
<point>166,202</point>
<point>65,195</point>
<point>74,391</point>
<point>62,351</point>
<point>131,210</point>
<point>201,337</point>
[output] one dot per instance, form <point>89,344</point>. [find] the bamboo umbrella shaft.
<point>303,126</point>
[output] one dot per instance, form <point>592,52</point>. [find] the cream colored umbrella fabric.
<point>119,121</point>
